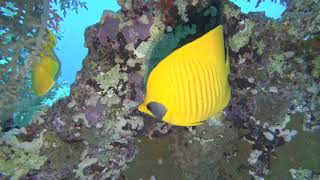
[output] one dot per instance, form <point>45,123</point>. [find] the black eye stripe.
<point>157,109</point>
<point>149,107</point>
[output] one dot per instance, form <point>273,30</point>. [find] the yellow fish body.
<point>44,72</point>
<point>191,84</point>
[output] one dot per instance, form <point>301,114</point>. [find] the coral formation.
<point>17,158</point>
<point>276,64</point>
<point>17,162</point>
<point>242,38</point>
<point>111,78</point>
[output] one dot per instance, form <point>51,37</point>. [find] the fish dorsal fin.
<point>205,48</point>
<point>157,109</point>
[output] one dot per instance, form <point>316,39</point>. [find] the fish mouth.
<point>143,108</point>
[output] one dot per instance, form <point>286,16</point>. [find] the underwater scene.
<point>160,90</point>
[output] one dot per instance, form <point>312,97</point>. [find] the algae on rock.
<point>316,67</point>
<point>276,63</point>
<point>231,12</point>
<point>242,38</point>
<point>16,162</point>
<point>111,78</point>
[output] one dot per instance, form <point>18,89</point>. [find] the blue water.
<point>70,48</point>
<point>273,10</point>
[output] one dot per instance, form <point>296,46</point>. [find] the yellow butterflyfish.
<point>190,85</point>
<point>44,72</point>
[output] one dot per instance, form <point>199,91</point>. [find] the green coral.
<point>111,78</point>
<point>316,67</point>
<point>242,38</point>
<point>276,63</point>
<point>169,42</point>
<point>260,45</point>
<point>16,162</point>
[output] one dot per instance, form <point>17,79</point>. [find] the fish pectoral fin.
<point>157,109</point>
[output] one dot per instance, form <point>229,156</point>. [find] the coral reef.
<point>242,38</point>
<point>267,93</point>
<point>93,133</point>
<point>202,153</point>
<point>17,158</point>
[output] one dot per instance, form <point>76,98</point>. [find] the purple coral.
<point>110,28</point>
<point>138,30</point>
<point>138,82</point>
<point>58,124</point>
<point>92,113</point>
